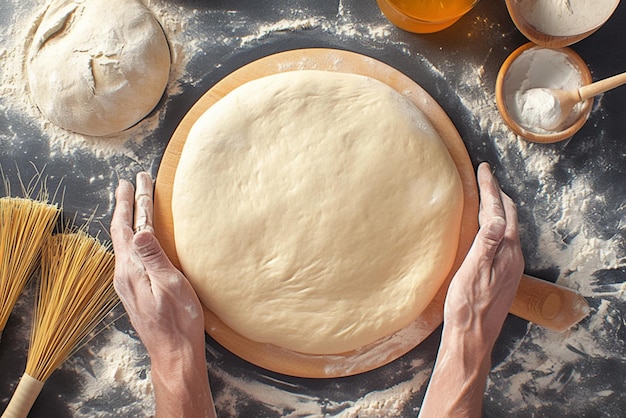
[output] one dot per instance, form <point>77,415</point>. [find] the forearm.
<point>181,385</point>
<point>458,381</point>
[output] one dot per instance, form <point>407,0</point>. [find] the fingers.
<point>151,254</point>
<point>499,227</point>
<point>130,207</point>
<point>490,195</point>
<point>122,238</point>
<point>144,207</point>
<point>512,222</point>
<point>492,215</point>
<point>122,221</point>
<point>496,204</point>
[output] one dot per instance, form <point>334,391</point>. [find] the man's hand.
<point>482,291</point>
<point>161,304</point>
<point>478,301</point>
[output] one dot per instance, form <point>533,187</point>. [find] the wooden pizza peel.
<point>538,301</point>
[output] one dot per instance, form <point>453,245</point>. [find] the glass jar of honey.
<point>424,16</point>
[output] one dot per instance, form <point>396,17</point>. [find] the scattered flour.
<point>187,37</point>
<point>566,218</point>
<point>563,217</point>
<point>15,95</point>
<point>284,25</point>
<point>287,402</point>
<point>118,374</point>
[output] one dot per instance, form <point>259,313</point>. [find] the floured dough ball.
<point>316,211</point>
<point>98,67</point>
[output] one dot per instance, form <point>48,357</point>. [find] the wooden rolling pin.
<point>549,305</point>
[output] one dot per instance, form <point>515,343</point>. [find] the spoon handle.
<point>601,86</point>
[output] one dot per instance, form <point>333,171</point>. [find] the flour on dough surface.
<point>317,211</point>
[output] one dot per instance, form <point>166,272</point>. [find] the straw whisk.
<point>75,294</point>
<point>24,225</point>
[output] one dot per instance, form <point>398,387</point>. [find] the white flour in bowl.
<point>566,17</point>
<point>535,69</point>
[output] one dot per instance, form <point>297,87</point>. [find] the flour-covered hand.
<point>161,304</point>
<point>478,300</point>
<point>482,291</point>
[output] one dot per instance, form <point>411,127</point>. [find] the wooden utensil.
<point>567,99</point>
<point>532,306</point>
<point>380,352</point>
<point>549,305</point>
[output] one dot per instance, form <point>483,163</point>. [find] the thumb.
<point>150,252</point>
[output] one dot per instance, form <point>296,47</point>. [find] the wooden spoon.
<point>565,100</point>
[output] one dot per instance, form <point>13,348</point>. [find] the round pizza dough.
<point>98,67</point>
<point>316,211</point>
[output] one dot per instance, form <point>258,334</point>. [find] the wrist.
<point>469,346</point>
<point>475,327</point>
<point>458,381</point>
<point>180,381</point>
<point>178,368</point>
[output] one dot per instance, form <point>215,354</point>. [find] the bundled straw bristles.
<point>75,294</point>
<point>24,225</point>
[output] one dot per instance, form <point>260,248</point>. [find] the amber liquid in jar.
<point>424,16</point>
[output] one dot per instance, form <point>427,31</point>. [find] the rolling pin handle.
<point>549,305</point>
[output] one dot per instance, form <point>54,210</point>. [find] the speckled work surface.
<point>570,197</point>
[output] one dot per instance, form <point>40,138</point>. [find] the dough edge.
<point>327,340</point>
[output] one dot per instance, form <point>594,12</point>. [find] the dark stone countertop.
<point>570,196</point>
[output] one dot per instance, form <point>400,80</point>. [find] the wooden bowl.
<point>543,39</point>
<point>503,87</point>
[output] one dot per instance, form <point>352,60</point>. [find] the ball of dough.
<point>97,67</point>
<point>316,211</point>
